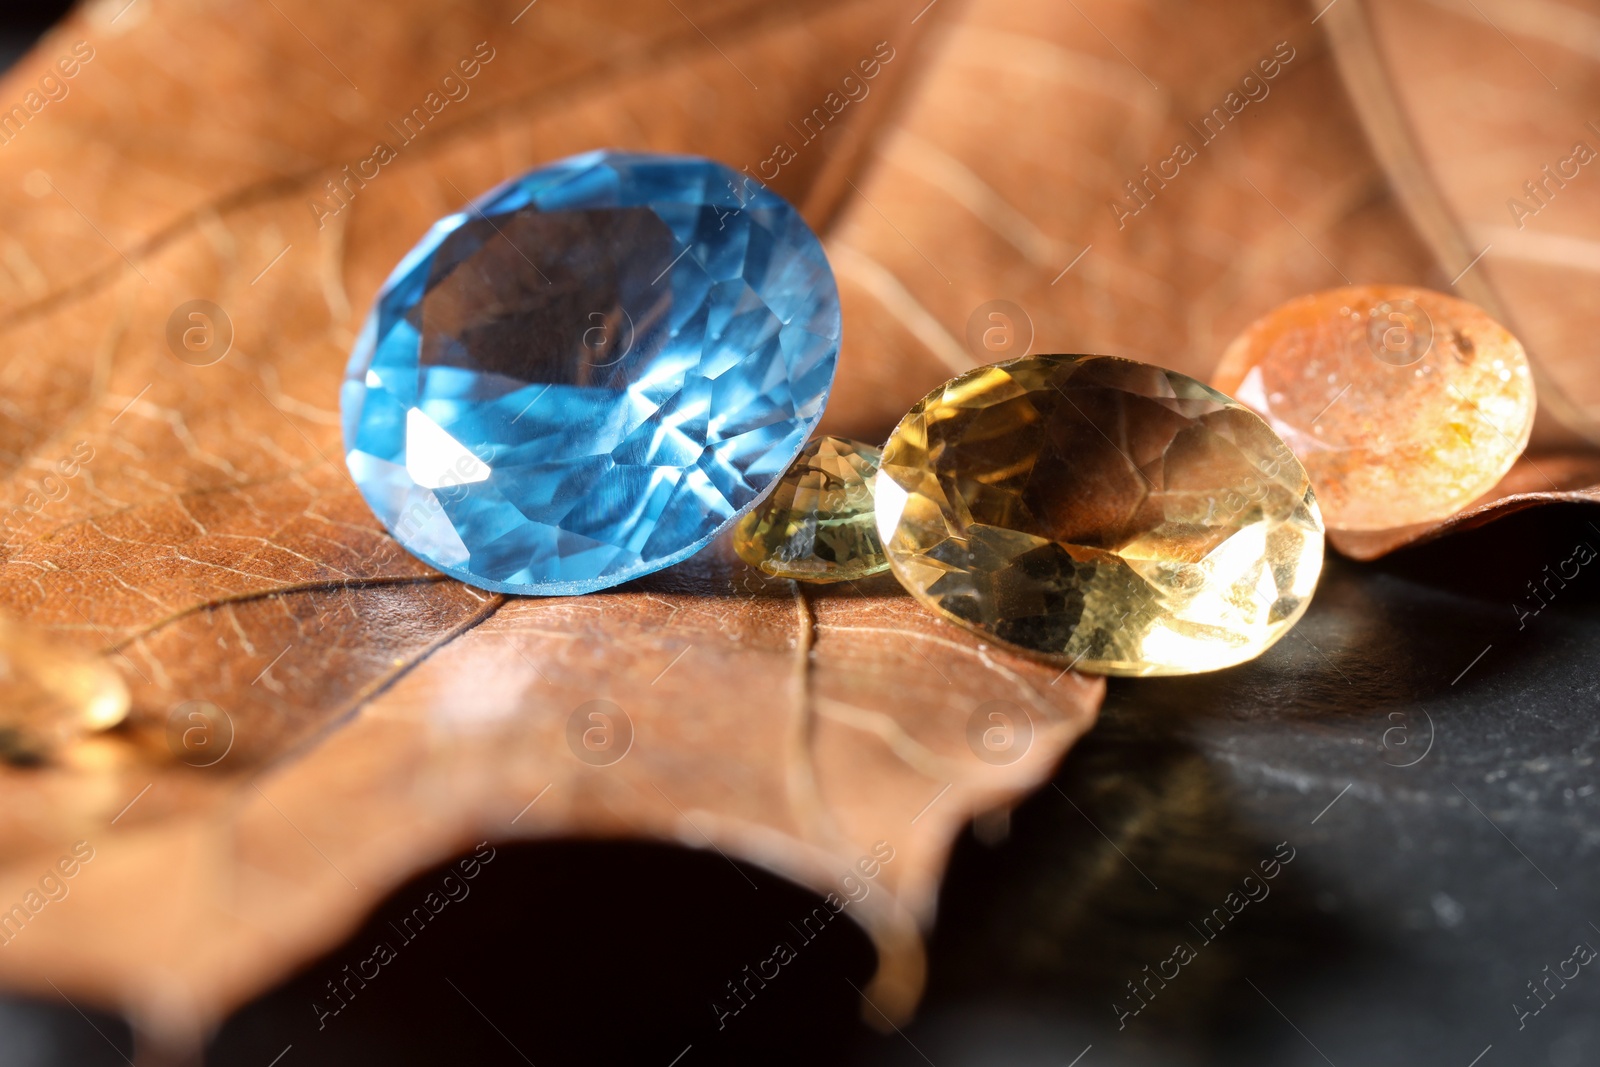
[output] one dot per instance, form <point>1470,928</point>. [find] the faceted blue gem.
<point>590,372</point>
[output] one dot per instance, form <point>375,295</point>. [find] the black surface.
<point>21,25</point>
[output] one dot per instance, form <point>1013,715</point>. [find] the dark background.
<point>1454,864</point>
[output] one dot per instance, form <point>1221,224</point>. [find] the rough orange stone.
<point>1404,404</point>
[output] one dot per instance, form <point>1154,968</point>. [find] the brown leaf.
<point>1548,479</point>
<point>196,522</point>
<point>1460,162</point>
<point>1008,163</point>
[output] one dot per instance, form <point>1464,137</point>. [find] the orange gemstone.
<point>1404,405</point>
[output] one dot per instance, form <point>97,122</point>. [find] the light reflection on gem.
<point>1117,517</point>
<point>817,524</point>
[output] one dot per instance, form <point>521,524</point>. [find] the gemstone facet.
<point>1405,405</point>
<point>590,372</point>
<point>1116,516</point>
<point>817,525</point>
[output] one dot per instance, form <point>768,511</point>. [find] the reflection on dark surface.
<point>1130,896</point>
<point>1426,749</point>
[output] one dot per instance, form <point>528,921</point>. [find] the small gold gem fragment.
<point>51,695</point>
<point>817,524</point>
<point>1108,514</point>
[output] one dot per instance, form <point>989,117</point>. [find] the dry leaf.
<point>1004,178</point>
<point>1488,171</point>
<point>363,718</point>
<point>1550,479</point>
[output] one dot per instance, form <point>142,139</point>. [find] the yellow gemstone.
<point>817,524</point>
<point>51,695</point>
<point>1104,513</point>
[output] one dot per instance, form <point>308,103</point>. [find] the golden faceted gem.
<point>817,524</point>
<point>1405,405</point>
<point>1112,515</point>
<point>51,695</point>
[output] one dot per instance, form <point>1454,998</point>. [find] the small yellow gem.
<point>817,524</point>
<point>51,695</point>
<point>1112,515</point>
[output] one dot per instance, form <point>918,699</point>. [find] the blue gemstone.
<point>590,372</point>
